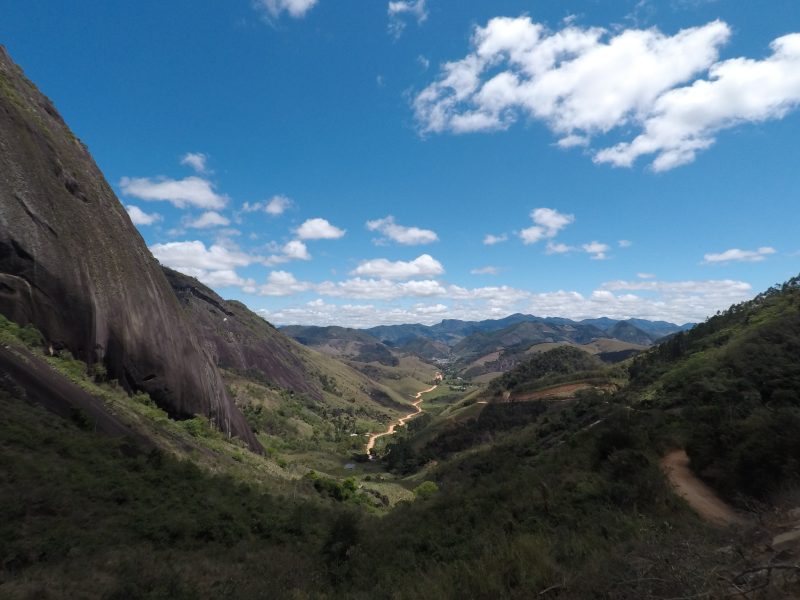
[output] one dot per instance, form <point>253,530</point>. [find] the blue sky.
<point>344,161</point>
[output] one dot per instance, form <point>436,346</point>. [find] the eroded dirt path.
<point>401,421</point>
<point>697,494</point>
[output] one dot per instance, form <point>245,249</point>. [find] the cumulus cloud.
<point>399,10</point>
<point>195,160</point>
<point>294,8</point>
<point>319,229</point>
<point>597,250</point>
<point>208,219</point>
<point>293,250</point>
<point>740,90</point>
<point>191,191</point>
<point>736,255</point>
<point>214,266</point>
<point>296,250</point>
<point>195,255</point>
<point>548,222</point>
<point>422,266</point>
<point>275,206</point>
<point>491,240</point>
<point>586,81</point>
<point>139,217</point>
<point>282,283</point>
<point>407,236</point>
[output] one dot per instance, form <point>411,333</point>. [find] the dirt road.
<point>402,421</point>
<point>697,494</point>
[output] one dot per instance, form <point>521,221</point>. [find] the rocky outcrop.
<point>73,264</point>
<point>242,341</point>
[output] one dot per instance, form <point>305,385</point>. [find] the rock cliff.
<point>73,264</point>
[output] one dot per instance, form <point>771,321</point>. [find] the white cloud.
<point>488,270</point>
<point>296,250</point>
<point>491,240</point>
<point>625,243</point>
<point>558,248</point>
<point>681,301</point>
<point>191,191</point>
<point>736,255</point>
<point>214,266</point>
<point>398,10</point>
<point>407,236</point>
<point>596,249</point>
<point>422,266</point>
<point>283,283</point>
<point>319,229</point>
<point>685,120</point>
<point>294,8</point>
<point>645,275</point>
<point>208,219</point>
<point>548,222</point>
<point>195,160</point>
<point>584,82</point>
<point>139,217</point>
<point>275,206</point>
<point>223,278</point>
<point>195,255</point>
<point>293,250</point>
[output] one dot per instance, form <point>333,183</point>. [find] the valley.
<point>158,440</point>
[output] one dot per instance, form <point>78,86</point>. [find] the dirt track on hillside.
<point>558,391</point>
<point>703,500</point>
<point>401,421</point>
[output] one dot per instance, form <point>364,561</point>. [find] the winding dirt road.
<point>402,421</point>
<point>703,500</point>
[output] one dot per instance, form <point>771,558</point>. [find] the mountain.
<point>565,360</point>
<point>659,329</point>
<point>627,332</point>
<point>524,334</point>
<point>244,343</point>
<point>73,265</point>
<point>343,342</point>
<point>736,378</point>
<point>424,348</point>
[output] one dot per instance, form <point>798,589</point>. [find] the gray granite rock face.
<point>73,264</point>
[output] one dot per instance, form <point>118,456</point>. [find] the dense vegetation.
<point>524,498</point>
<point>548,368</point>
<point>736,378</point>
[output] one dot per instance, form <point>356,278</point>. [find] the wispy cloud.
<point>275,206</point>
<point>737,255</point>
<point>548,222</point>
<point>407,236</point>
<point>191,191</point>
<point>197,161</point>
<point>491,240</point>
<point>400,10</point>
<point>294,8</point>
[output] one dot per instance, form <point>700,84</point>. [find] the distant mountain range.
<point>463,342</point>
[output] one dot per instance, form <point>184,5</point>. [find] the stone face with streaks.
<point>73,264</point>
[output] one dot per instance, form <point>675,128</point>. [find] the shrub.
<point>425,490</point>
